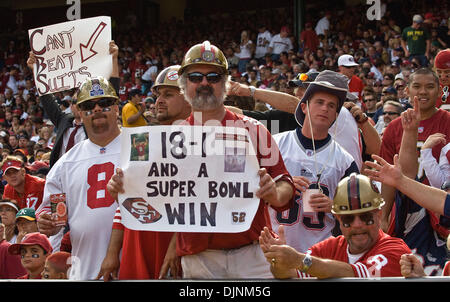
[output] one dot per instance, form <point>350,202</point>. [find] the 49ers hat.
<point>31,239</point>
<point>11,164</point>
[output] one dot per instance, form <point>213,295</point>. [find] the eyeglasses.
<point>399,87</point>
<point>197,77</point>
<point>103,103</point>
<point>391,113</point>
<point>367,218</point>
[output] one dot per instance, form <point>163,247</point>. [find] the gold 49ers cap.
<point>356,194</point>
<point>204,54</point>
<point>95,88</point>
<point>167,77</point>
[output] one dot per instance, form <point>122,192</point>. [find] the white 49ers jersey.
<point>304,229</point>
<point>83,174</point>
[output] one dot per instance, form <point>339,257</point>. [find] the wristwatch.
<point>307,262</point>
<point>252,91</point>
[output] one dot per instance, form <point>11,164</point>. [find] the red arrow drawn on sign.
<point>86,49</point>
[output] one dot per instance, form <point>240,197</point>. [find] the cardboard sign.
<point>67,53</point>
<point>188,179</point>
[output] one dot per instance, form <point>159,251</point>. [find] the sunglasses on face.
<point>367,218</point>
<point>390,113</point>
<point>197,77</point>
<point>90,105</point>
<point>368,100</point>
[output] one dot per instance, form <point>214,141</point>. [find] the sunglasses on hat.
<point>348,219</point>
<point>211,77</point>
<point>103,103</point>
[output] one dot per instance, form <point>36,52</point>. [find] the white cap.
<point>347,60</point>
<point>417,19</point>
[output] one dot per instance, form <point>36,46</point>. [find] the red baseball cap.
<point>36,165</point>
<point>31,239</point>
<point>442,59</point>
<point>11,164</point>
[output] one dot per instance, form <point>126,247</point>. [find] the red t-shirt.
<point>392,139</point>
<point>27,276</point>
<point>143,252</point>
<point>446,271</point>
<point>382,260</point>
<point>10,265</point>
<point>33,192</point>
<point>356,85</point>
<point>193,243</point>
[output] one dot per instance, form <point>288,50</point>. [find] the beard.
<point>205,99</point>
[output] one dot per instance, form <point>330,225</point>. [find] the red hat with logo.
<point>442,59</point>
<point>31,239</point>
<point>11,164</point>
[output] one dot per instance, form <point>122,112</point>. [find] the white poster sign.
<point>67,53</point>
<point>188,179</point>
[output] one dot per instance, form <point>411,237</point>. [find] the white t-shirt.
<point>437,173</point>
<point>262,44</point>
<point>322,25</point>
<point>83,173</point>
<point>279,44</point>
<point>245,51</point>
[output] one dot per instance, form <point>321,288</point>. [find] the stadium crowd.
<point>378,58</point>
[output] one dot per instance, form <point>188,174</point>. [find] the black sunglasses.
<point>103,103</point>
<point>211,77</point>
<point>368,100</point>
<point>390,113</point>
<point>367,218</point>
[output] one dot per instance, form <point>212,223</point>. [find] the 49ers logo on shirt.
<point>141,210</point>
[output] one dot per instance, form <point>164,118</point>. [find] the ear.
<point>304,107</point>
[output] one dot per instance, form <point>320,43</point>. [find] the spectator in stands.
<point>34,250</point>
<point>8,211</point>
<point>10,265</point>
<point>416,41</point>
<point>26,189</point>
<point>57,266</point>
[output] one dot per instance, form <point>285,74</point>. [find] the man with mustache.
<point>82,174</point>
<point>203,81</point>
<point>363,250</point>
<point>145,254</point>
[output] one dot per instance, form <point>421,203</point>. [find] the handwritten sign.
<point>188,179</point>
<point>67,53</point>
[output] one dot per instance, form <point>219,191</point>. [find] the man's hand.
<point>113,49</point>
<point>172,263</point>
<point>301,183</point>
<point>31,60</point>
<point>434,140</point>
<point>267,187</point>
<point>320,202</point>
<point>115,184</point>
<point>47,226</point>
<point>410,266</point>
<point>238,89</point>
<point>383,171</point>
<point>356,112</point>
<point>110,268</point>
<point>411,117</point>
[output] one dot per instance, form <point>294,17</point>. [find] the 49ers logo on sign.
<point>141,210</point>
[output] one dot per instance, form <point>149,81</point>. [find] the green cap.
<point>27,213</point>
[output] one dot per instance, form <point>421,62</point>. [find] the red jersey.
<point>27,276</point>
<point>392,139</point>
<point>356,86</point>
<point>143,252</point>
<point>446,271</point>
<point>33,192</point>
<point>382,260</point>
<point>193,243</point>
